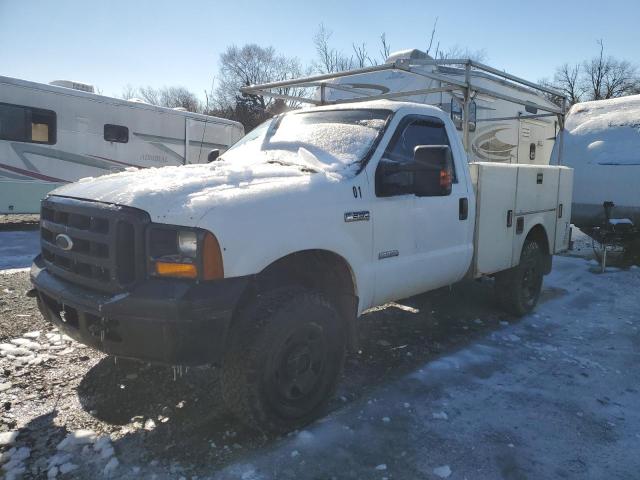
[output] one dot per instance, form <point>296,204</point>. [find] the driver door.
<point>421,243</point>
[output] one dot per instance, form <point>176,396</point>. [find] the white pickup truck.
<point>262,260</point>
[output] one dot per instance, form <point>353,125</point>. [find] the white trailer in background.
<point>499,117</point>
<point>51,135</point>
<point>601,142</point>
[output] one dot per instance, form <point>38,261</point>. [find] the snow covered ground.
<point>446,386</point>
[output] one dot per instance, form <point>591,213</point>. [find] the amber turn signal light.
<point>212,266</point>
<point>180,270</point>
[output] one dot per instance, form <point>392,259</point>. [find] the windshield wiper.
<point>304,168</point>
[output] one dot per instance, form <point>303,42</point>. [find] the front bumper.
<point>166,321</point>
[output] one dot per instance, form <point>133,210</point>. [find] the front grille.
<point>107,252</point>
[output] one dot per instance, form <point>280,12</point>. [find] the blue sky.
<point>115,43</point>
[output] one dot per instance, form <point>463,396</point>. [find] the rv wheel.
<point>518,289</point>
<point>285,355</point>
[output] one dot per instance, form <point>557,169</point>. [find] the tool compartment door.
<point>495,186</point>
<point>563,222</point>
<point>537,189</point>
<point>536,204</point>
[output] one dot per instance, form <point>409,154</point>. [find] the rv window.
<point>116,133</point>
<point>26,124</point>
<point>456,114</point>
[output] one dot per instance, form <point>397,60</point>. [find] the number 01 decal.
<point>357,193</point>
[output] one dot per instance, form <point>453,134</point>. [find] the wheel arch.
<point>315,269</point>
<point>539,234</point>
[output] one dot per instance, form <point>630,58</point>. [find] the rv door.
<point>204,136</point>
<point>533,147</point>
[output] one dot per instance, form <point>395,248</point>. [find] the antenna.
<point>204,129</point>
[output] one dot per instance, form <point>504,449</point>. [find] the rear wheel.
<point>518,289</point>
<point>285,355</point>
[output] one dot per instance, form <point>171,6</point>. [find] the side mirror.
<point>392,178</point>
<point>213,155</point>
<point>433,170</point>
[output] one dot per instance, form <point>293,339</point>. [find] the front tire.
<point>285,355</point>
<point>518,289</point>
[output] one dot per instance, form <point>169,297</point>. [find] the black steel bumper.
<point>160,320</point>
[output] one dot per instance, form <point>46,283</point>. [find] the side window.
<point>116,133</point>
<point>27,124</point>
<point>457,114</point>
<point>411,132</point>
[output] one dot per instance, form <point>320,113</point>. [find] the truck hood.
<point>184,194</point>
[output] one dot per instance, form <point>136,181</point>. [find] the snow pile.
<point>27,351</point>
<point>13,462</point>
<point>83,447</point>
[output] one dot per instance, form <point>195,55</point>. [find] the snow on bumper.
<point>160,320</point>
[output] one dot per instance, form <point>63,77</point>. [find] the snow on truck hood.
<point>294,152</point>
<point>183,194</point>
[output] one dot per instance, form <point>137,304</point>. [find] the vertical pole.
<point>560,138</point>
<point>323,93</point>
<point>465,107</point>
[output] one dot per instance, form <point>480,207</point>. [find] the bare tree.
<point>607,77</point>
<point>456,51</point>
<point>599,78</point>
<point>150,95</point>
<point>595,70</point>
<point>171,97</point>
<point>330,60</point>
<point>621,79</point>
<point>362,57</point>
<point>568,80</point>
<point>385,48</point>
<point>252,64</point>
<point>433,34</point>
<point>129,92</point>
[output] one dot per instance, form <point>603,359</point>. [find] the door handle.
<point>463,208</point>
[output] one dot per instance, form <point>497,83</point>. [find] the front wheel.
<point>285,355</point>
<point>518,289</point>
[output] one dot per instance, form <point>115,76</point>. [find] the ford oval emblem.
<point>64,241</point>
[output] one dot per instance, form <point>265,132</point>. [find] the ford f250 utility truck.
<point>262,260</point>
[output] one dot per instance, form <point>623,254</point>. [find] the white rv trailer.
<point>51,135</point>
<point>601,142</point>
<point>508,119</point>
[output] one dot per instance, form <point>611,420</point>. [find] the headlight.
<point>183,253</point>
<point>188,243</point>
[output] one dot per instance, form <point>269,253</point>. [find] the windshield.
<point>330,141</point>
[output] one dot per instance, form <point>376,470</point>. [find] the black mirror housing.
<point>213,155</point>
<point>433,170</point>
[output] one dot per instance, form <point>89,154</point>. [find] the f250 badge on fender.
<point>357,216</point>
